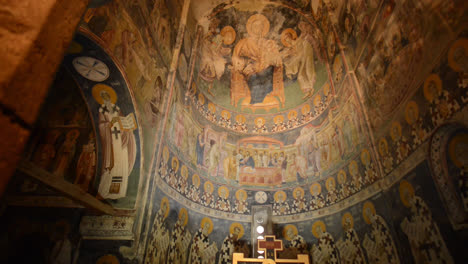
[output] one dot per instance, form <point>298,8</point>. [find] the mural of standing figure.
<point>201,252</point>
<point>86,166</point>
<point>66,153</point>
<point>427,244</point>
<point>180,240</point>
<point>118,143</point>
<point>231,244</point>
<point>159,241</point>
<point>325,251</point>
<point>296,244</point>
<point>379,243</point>
<point>350,246</point>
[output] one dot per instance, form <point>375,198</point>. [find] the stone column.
<point>34,35</point>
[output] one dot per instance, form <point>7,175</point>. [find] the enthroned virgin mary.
<point>257,74</point>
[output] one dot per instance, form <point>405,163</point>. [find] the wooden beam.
<point>68,189</point>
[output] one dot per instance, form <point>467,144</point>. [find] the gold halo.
<point>184,172</point>
<point>438,82</point>
<point>240,119</point>
<point>226,192</point>
<point>205,186</point>
<point>394,136</point>
<point>207,220</point>
<point>255,18</point>
<point>238,192</point>
<point>285,231</point>
<point>459,43</point>
<point>300,190</point>
<point>278,193</point>
<point>108,259</point>
<point>196,180</point>
<point>176,166</point>
<point>341,177</point>
<point>460,139</point>
<point>383,147</point>
<point>326,88</point>
<point>317,100</point>
<point>330,183</point>
<point>414,106</point>
<point>238,225</point>
<point>319,190</point>
<point>347,216</point>
<point>365,157</point>
<point>353,168</point>
<point>259,119</point>
<point>337,64</point>
<point>201,98</point>
<point>165,154</point>
<point>278,119</point>
<point>405,185</point>
<point>229,35</point>
<point>212,108</point>
<point>317,224</point>
<point>292,114</point>
<point>226,113</point>
<point>165,201</point>
<point>366,205</point>
<point>98,88</point>
<point>183,213</point>
<point>285,32</point>
<point>305,109</point>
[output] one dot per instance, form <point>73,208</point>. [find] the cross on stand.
<point>116,133</point>
<point>270,245</point>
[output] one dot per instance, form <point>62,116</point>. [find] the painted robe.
<point>350,248</point>
<point>201,252</point>
<point>178,248</point>
<point>379,245</point>
<point>325,252</point>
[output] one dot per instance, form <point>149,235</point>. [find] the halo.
<point>278,193</point>
<point>353,168</point>
<point>212,108</point>
<point>285,231</point>
<point>288,31</point>
<point>317,224</point>
<point>165,154</point>
<point>337,64</point>
<point>165,201</point>
<point>255,18</point>
<point>460,139</point>
<point>205,186</point>
<point>329,183</point>
<point>278,119</point>
<point>459,43</point>
<point>229,35</point>
<point>183,213</point>
<point>405,185</point>
<point>349,217</point>
<point>196,180</point>
<point>201,98</point>
<point>184,172</point>
<point>176,166</point>
<point>438,82</point>
<point>365,157</point>
<point>238,192</point>
<point>259,119</point>
<point>292,114</point>
<point>341,177</point>
<point>207,220</point>
<point>366,205</point>
<point>396,125</point>
<point>238,225</point>
<point>414,106</point>
<point>383,144</point>
<point>73,134</point>
<point>319,190</point>
<point>240,119</point>
<point>108,259</point>
<point>317,100</point>
<point>98,88</point>
<point>326,88</point>
<point>226,192</point>
<point>226,113</point>
<point>298,189</point>
<point>305,109</point>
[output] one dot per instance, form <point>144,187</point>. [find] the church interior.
<point>234,131</point>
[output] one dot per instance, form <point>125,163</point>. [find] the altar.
<point>260,176</point>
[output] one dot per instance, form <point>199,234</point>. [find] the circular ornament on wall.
<point>261,197</point>
<point>91,68</point>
